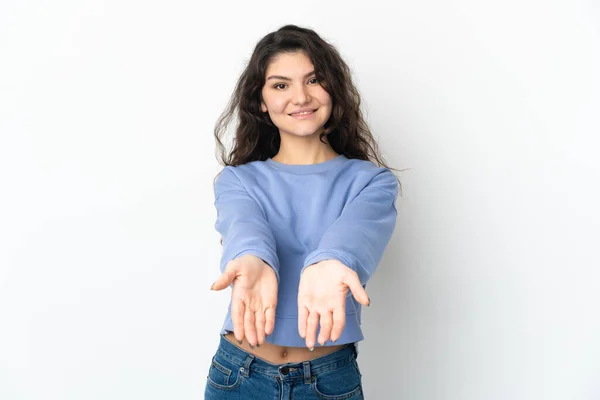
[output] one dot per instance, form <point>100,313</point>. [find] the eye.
<point>314,79</point>
<point>277,86</point>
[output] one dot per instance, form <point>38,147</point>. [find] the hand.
<point>253,297</point>
<point>322,297</point>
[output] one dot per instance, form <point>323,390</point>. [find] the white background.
<point>490,287</point>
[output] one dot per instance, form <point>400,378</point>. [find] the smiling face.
<point>291,87</point>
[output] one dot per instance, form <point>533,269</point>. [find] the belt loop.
<point>307,372</point>
<point>245,370</point>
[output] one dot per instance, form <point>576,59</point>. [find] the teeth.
<point>303,113</point>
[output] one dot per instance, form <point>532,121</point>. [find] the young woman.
<point>305,207</point>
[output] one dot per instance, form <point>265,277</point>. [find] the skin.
<point>324,285</point>
<point>322,299</point>
<point>280,97</point>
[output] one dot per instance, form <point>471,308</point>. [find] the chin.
<point>303,134</point>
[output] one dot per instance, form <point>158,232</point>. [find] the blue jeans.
<point>237,374</point>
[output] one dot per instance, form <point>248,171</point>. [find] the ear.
<point>263,106</point>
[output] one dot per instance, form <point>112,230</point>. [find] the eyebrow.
<point>288,79</point>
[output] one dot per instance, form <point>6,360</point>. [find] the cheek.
<point>277,105</point>
<point>323,97</point>
<point>264,101</point>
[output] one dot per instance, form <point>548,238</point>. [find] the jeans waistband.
<point>249,362</point>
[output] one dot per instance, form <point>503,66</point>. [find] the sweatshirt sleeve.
<point>361,233</point>
<point>242,223</point>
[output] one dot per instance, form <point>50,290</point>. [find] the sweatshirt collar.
<point>307,168</point>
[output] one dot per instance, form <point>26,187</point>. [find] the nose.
<point>300,95</point>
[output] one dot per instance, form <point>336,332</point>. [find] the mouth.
<point>299,114</point>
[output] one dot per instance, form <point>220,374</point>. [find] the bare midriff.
<point>276,354</point>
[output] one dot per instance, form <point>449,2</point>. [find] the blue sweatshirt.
<point>292,216</point>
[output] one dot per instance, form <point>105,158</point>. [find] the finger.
<point>326,325</point>
<point>225,279</point>
<point>359,293</point>
<point>302,321</point>
<point>249,326</point>
<point>259,317</point>
<point>237,317</point>
<point>269,320</point>
<point>311,329</point>
<point>339,320</point>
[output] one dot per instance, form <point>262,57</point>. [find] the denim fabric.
<point>237,374</point>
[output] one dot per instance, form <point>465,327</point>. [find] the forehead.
<point>290,64</point>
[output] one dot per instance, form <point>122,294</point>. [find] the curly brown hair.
<point>257,138</point>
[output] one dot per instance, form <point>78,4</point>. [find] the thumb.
<point>359,293</point>
<point>224,280</point>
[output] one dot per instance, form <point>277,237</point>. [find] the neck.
<point>303,151</point>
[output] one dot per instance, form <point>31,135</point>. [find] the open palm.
<point>322,300</point>
<point>253,297</point>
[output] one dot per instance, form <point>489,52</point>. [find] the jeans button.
<point>285,370</point>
